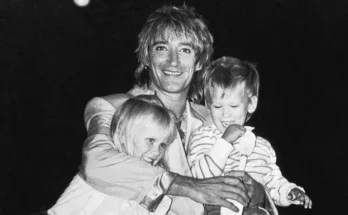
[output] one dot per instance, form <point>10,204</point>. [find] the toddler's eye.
<point>164,145</point>
<point>217,106</point>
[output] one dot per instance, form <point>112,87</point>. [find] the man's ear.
<point>146,62</point>
<point>146,59</point>
<point>252,104</point>
<point>198,66</point>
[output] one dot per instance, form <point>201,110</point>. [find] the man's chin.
<point>173,88</point>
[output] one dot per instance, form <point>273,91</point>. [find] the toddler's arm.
<point>278,186</point>
<point>208,153</point>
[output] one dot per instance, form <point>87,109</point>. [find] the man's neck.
<point>173,101</point>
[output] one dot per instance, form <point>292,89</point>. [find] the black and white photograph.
<point>231,107</point>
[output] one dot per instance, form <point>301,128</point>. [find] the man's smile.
<point>171,73</point>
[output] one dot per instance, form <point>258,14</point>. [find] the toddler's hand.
<point>233,132</point>
<point>298,195</point>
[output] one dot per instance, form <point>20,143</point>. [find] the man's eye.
<point>160,48</point>
<point>187,50</point>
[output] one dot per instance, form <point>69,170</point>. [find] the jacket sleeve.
<point>112,172</point>
<point>208,154</point>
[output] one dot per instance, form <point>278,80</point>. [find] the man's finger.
<point>229,205</point>
<point>234,181</point>
<point>235,193</point>
<point>245,177</point>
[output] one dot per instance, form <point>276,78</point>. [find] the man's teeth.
<point>172,73</point>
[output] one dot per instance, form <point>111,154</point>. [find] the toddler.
<point>231,94</point>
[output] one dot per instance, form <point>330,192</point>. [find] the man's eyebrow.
<point>160,42</point>
<point>187,44</point>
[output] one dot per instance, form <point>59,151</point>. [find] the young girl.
<point>142,128</point>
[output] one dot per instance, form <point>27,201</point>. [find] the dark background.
<point>55,56</point>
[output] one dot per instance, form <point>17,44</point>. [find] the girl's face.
<point>150,142</point>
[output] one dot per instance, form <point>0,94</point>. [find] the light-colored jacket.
<point>115,174</point>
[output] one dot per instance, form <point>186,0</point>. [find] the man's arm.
<point>113,173</point>
<point>215,191</point>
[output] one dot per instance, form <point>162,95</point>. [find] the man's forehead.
<point>173,36</point>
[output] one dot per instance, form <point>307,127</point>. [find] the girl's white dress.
<point>81,199</point>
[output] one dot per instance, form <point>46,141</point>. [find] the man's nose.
<point>173,58</point>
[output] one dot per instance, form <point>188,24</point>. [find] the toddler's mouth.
<point>226,124</point>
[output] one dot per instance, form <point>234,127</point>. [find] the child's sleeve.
<point>208,154</point>
<point>277,185</point>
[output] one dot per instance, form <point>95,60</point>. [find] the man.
<point>173,44</point>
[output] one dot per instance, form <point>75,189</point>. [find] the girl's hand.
<point>298,195</point>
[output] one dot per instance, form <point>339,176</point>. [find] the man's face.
<point>172,64</point>
<point>229,106</point>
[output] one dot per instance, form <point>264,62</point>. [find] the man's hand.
<point>212,191</point>
<point>255,190</point>
<point>233,132</point>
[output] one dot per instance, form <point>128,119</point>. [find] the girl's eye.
<point>163,145</point>
<point>151,140</point>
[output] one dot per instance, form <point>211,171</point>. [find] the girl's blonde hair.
<point>140,111</point>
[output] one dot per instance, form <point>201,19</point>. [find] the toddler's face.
<point>150,143</point>
<point>228,106</point>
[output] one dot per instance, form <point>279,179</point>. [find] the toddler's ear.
<point>252,104</point>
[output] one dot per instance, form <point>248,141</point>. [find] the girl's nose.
<point>155,151</point>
